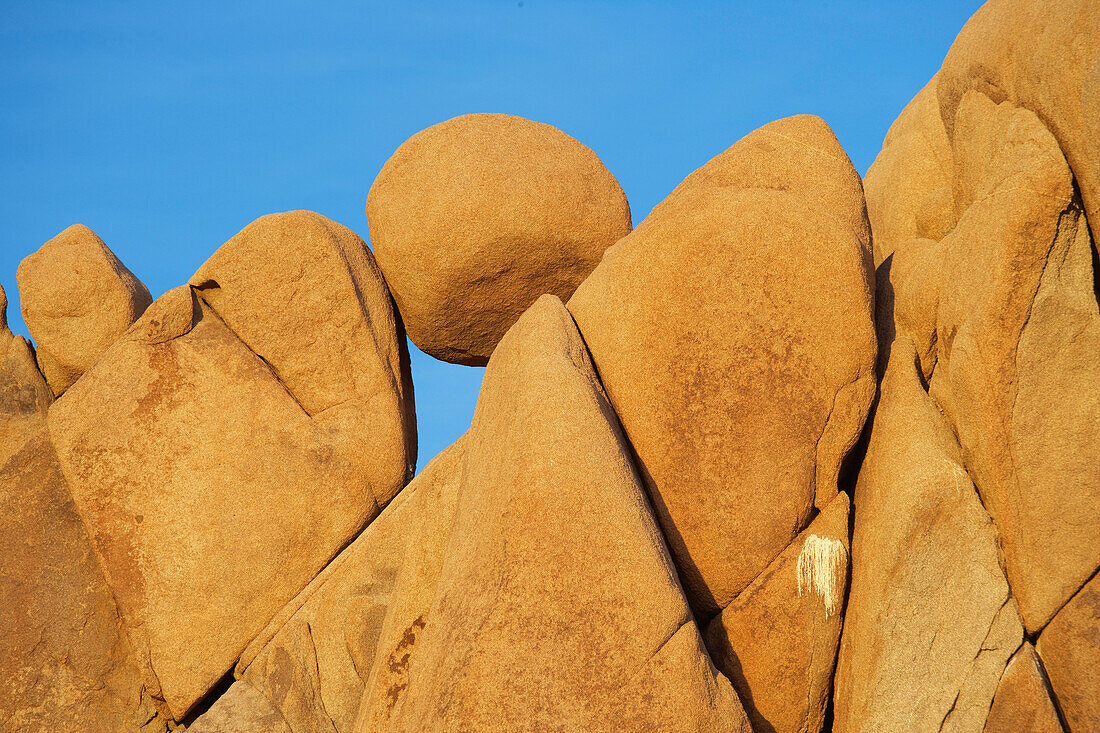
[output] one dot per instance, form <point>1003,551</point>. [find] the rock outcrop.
<point>729,371</point>
<point>777,641</point>
<point>65,661</point>
<point>930,622</point>
<point>555,571</point>
<point>476,217</point>
<point>77,298</point>
<point>799,453</point>
<point>197,469</point>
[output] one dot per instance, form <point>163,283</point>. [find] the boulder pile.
<point>800,452</point>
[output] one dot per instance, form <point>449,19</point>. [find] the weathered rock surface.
<point>777,641</point>
<point>910,178</point>
<point>414,587</point>
<point>198,471</point>
<point>315,657</point>
<point>240,710</point>
<point>65,663</point>
<point>1022,703</point>
<point>558,606</point>
<point>1042,57</point>
<point>930,622</point>
<point>476,217</point>
<point>1017,333</point>
<point>77,298</point>
<point>24,394</point>
<point>1070,648</point>
<point>305,294</point>
<point>736,342</point>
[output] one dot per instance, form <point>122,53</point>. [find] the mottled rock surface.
<point>777,641</point>
<point>556,571</point>
<point>77,298</point>
<point>476,217</point>
<point>65,662</point>
<point>314,659</point>
<point>930,621</point>
<point>736,342</point>
<point>414,587</point>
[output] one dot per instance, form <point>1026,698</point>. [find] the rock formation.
<point>549,501</point>
<point>190,457</point>
<point>729,373</point>
<point>800,453</point>
<point>476,217</point>
<point>77,299</point>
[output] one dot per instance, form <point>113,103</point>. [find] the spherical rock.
<point>471,220</point>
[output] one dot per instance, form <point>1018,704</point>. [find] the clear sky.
<point>167,127</point>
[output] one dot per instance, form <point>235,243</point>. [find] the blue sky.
<point>167,127</point>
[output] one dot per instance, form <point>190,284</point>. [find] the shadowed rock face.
<point>554,571</point>
<point>77,298</point>
<point>476,217</point>
<point>1022,702</point>
<point>1017,333</point>
<point>736,342</point>
<point>197,469</point>
<point>240,710</point>
<point>989,286</point>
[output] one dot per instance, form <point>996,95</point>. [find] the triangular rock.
<point>558,607</point>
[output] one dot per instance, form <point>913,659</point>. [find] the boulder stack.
<point>800,453</point>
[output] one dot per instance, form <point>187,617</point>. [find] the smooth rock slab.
<point>733,330</point>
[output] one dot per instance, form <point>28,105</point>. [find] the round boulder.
<point>471,220</point>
